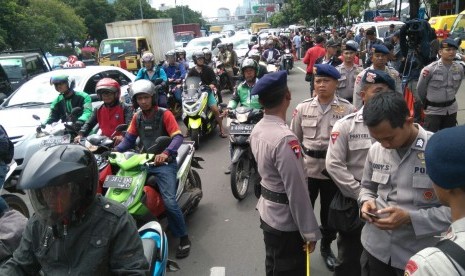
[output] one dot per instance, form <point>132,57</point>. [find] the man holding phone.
<point>405,211</point>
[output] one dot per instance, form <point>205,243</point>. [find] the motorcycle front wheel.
<point>195,137</point>
<point>17,204</point>
<point>240,178</point>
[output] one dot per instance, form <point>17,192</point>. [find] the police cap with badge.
<point>270,82</point>
<point>380,48</point>
<point>372,76</point>
<point>449,43</point>
<point>326,70</point>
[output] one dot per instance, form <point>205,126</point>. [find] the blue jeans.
<point>165,176</point>
<point>3,171</point>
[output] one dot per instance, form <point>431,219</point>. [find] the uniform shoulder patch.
<point>295,146</point>
<point>334,136</point>
<point>425,72</point>
<point>111,207</point>
<point>295,112</point>
<point>410,268</point>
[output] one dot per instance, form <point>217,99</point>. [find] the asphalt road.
<point>225,234</point>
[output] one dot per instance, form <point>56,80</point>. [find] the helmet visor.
<point>54,204</point>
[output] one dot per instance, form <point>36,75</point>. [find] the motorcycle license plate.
<point>56,140</point>
<point>241,129</point>
<point>119,182</point>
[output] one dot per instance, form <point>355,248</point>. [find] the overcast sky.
<point>206,7</point>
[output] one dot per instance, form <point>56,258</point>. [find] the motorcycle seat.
<point>183,151</point>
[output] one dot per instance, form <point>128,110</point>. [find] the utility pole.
<point>141,13</point>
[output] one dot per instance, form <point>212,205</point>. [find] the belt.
<point>443,104</point>
<point>319,154</point>
<point>274,196</point>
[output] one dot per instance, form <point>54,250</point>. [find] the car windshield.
<point>459,24</point>
<point>12,67</point>
<point>199,43</point>
<point>383,29</point>
<point>241,44</point>
<point>37,90</point>
<point>118,46</point>
<point>183,37</point>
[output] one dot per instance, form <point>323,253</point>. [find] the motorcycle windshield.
<point>192,85</point>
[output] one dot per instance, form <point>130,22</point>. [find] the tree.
<point>11,13</point>
<point>184,15</point>
<point>95,14</point>
<point>130,10</point>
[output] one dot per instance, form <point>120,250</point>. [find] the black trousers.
<point>327,189</point>
<point>284,252</point>
<point>350,250</point>
<point>374,267</point>
<point>435,123</point>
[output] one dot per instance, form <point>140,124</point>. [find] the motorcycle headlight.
<point>242,117</point>
<point>287,51</point>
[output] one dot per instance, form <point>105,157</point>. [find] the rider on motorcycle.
<point>68,99</point>
<point>73,231</point>
<point>234,57</point>
<point>110,114</point>
<point>181,57</point>
<point>208,58</point>
<point>148,124</point>
<point>242,95</point>
<point>151,72</point>
<point>208,77</point>
<point>175,71</point>
<point>255,55</point>
<point>271,55</point>
<point>225,58</point>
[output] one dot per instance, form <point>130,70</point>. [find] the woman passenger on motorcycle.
<point>152,72</point>
<point>208,77</point>
<point>68,99</point>
<point>73,230</point>
<point>149,123</point>
<point>176,72</point>
<point>110,114</point>
<point>181,57</point>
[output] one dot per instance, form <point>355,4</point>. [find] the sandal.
<point>222,135</point>
<point>183,250</point>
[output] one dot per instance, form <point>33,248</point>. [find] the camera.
<point>416,35</point>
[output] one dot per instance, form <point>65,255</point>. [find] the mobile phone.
<point>372,215</point>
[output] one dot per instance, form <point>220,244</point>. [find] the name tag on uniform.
<point>378,177</point>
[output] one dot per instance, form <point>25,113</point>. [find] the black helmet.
<point>249,63</point>
<point>229,44</point>
<point>61,181</point>
<point>207,52</point>
<point>196,55</point>
<point>221,45</point>
<point>142,87</point>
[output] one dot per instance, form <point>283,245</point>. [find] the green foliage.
<point>95,14</point>
<point>130,10</point>
<point>190,16</point>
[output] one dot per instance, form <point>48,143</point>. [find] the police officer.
<point>347,152</point>
<point>348,70</point>
<point>286,214</point>
<point>437,86</point>
<point>380,55</point>
<point>444,155</point>
<point>312,122</point>
<point>397,199</point>
<point>226,59</point>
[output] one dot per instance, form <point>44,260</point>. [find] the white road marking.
<point>218,271</point>
<point>304,71</point>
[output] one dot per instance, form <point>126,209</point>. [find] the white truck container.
<point>128,40</point>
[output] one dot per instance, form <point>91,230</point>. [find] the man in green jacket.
<point>67,100</point>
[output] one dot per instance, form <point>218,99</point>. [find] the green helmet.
<point>249,63</point>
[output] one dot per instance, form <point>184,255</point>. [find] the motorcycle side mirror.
<point>161,143</point>
<point>158,81</point>
<point>445,27</point>
<point>121,127</point>
<point>94,98</point>
<point>37,118</point>
<point>172,266</point>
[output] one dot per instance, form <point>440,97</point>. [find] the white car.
<point>381,27</point>
<point>35,96</point>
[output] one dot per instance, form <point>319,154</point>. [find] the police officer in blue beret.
<point>312,123</point>
<point>286,213</point>
<point>379,58</point>
<point>444,164</point>
<point>437,86</point>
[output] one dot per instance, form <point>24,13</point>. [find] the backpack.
<point>6,147</point>
<point>453,252</point>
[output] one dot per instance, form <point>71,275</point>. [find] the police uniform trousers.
<point>374,267</point>
<point>434,123</point>
<point>284,252</point>
<point>350,249</point>
<point>327,189</point>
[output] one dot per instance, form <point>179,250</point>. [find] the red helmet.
<point>108,84</point>
<point>72,59</point>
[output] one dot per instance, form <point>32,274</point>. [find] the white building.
<point>223,14</point>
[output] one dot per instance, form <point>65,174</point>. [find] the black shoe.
<point>184,249</point>
<point>228,170</point>
<point>328,256</point>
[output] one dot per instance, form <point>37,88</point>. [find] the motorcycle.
<point>173,104</point>
<point>155,245</point>
<point>273,65</point>
<point>197,116</point>
<point>12,198</point>
<point>243,166</point>
<point>132,187</point>
<point>288,60</point>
